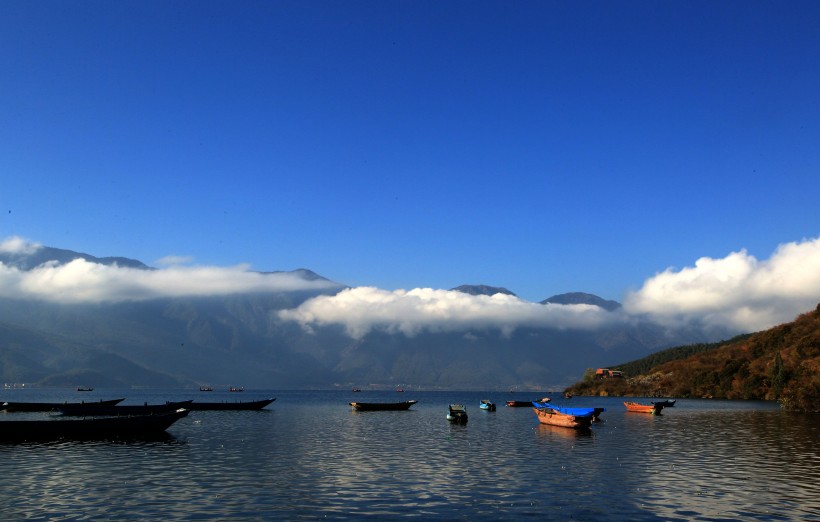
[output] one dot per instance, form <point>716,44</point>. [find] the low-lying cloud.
<point>81,281</point>
<point>735,293</point>
<point>363,309</point>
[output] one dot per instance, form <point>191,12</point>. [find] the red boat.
<point>637,407</point>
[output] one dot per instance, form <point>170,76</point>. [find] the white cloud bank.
<point>81,281</point>
<point>737,291</point>
<point>362,309</point>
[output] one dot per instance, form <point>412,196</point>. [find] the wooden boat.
<point>382,406</point>
<point>457,413</point>
<point>233,406</point>
<point>51,406</point>
<point>91,428</point>
<point>636,407</point>
<point>96,410</point>
<point>555,416</point>
<point>519,404</point>
<point>487,405</point>
<point>666,403</point>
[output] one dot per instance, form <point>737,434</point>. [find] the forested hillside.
<point>782,363</point>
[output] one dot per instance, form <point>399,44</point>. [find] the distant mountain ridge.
<point>582,298</point>
<point>30,260</point>
<point>482,290</point>
<point>240,339</point>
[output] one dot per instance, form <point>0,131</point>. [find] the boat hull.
<point>91,428</point>
<point>555,418</point>
<point>636,407</point>
<point>382,406</point>
<point>52,406</point>
<point>231,406</point>
<point>91,410</point>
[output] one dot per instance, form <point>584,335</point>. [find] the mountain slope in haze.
<point>239,339</point>
<point>35,258</point>
<point>782,363</point>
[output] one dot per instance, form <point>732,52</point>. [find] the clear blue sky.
<point>542,146</point>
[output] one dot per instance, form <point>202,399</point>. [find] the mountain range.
<point>239,339</point>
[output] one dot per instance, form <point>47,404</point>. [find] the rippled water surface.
<point>309,456</point>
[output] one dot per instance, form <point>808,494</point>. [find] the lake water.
<point>309,456</point>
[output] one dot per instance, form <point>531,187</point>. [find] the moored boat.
<point>91,428</point>
<point>96,410</point>
<point>233,406</point>
<point>666,403</point>
<point>519,404</point>
<point>382,406</point>
<point>51,406</point>
<point>637,407</point>
<point>457,413</point>
<point>487,405</point>
<point>566,417</point>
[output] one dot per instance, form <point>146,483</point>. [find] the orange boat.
<point>637,407</point>
<point>547,415</point>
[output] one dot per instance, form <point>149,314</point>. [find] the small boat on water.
<point>457,413</point>
<point>637,407</point>
<point>577,418</point>
<point>206,388</point>
<point>236,389</point>
<point>226,405</point>
<point>51,406</point>
<point>84,388</point>
<point>666,403</point>
<point>91,428</point>
<point>382,406</point>
<point>118,410</point>
<point>519,404</point>
<point>487,405</point>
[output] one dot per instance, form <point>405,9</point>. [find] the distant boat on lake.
<point>487,405</point>
<point>457,413</point>
<point>230,406</point>
<point>636,407</point>
<point>382,406</point>
<point>84,388</point>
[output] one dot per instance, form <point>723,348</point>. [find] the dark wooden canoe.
<point>519,404</point>
<point>382,406</point>
<point>89,410</point>
<point>233,406</point>
<point>91,428</point>
<point>52,406</point>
